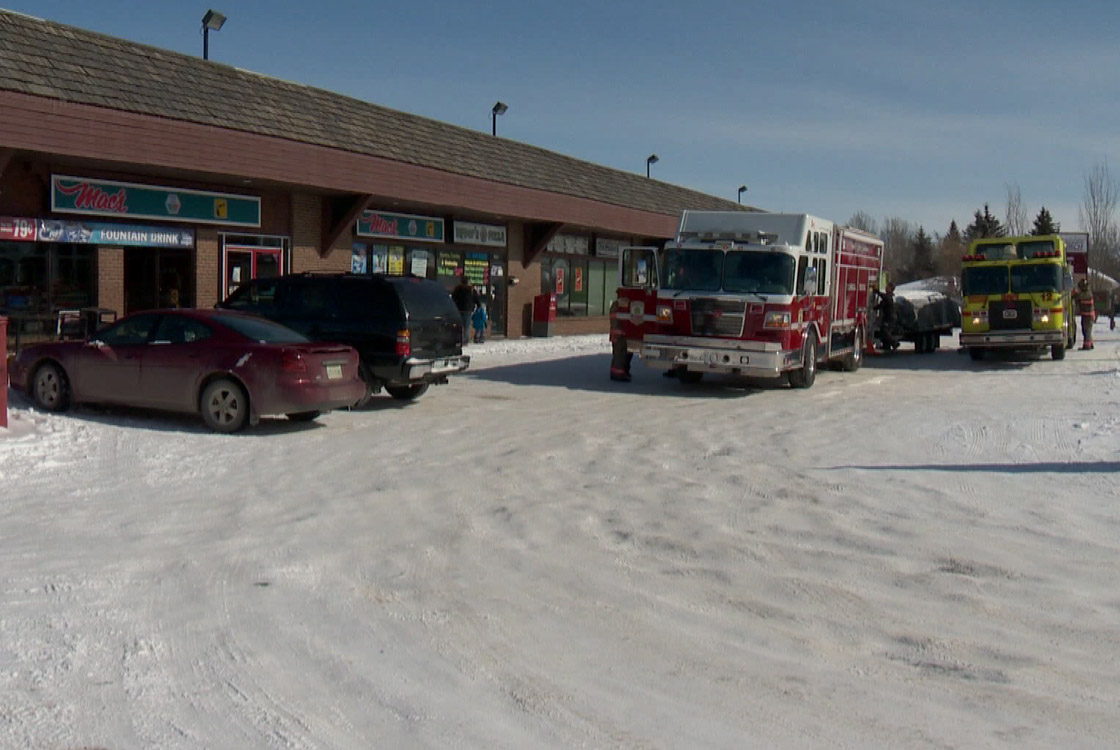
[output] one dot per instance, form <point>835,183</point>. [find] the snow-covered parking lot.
<point>924,553</point>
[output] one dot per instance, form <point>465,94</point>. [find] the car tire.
<point>805,375</point>
<point>50,389</point>
<point>224,406</point>
<point>367,378</point>
<point>407,392</point>
<point>853,360</point>
<point>304,416</point>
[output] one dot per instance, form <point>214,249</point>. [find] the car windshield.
<point>1045,277</point>
<point>261,330</point>
<point>984,280</point>
<point>697,270</point>
<point>758,272</point>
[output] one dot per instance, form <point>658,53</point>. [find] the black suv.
<point>407,330</point>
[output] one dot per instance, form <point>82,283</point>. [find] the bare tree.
<point>1016,220</point>
<point>862,220</point>
<point>897,234</point>
<point>1097,215</point>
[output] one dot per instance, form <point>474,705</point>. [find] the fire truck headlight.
<point>776,320</point>
<point>664,313</point>
<point>976,320</point>
<point>1043,318</point>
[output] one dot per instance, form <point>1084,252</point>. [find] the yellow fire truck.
<point>1017,296</point>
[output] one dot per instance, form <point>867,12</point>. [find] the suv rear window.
<point>425,299</point>
<point>259,329</point>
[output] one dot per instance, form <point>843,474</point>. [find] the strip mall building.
<point>132,177</point>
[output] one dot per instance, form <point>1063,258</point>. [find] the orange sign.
<point>579,278</point>
<point>560,280</point>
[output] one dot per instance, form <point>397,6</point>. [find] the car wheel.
<point>304,416</point>
<point>407,392</point>
<point>804,376</point>
<point>224,405</point>
<point>690,377</point>
<point>50,389</point>
<point>367,378</point>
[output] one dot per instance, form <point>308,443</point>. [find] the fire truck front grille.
<point>1008,316</point>
<point>712,316</point>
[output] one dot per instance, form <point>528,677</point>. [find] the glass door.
<point>244,263</point>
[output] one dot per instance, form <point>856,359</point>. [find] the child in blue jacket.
<point>478,323</point>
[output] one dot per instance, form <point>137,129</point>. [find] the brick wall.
<point>520,312</point>
<point>208,267</point>
<point>307,233</point>
<point>110,278</point>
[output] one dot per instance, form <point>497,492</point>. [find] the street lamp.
<point>651,159</point>
<point>212,20</point>
<point>742,189</point>
<point>499,109</point>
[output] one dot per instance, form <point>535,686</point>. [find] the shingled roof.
<point>52,60</point>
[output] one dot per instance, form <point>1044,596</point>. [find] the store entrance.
<point>155,278</point>
<point>245,263</point>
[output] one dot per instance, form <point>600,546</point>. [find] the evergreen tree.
<point>953,246</point>
<point>922,263</point>
<point>1044,223</point>
<point>983,226</point>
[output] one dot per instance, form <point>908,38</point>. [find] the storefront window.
<point>38,278</point>
<point>583,286</point>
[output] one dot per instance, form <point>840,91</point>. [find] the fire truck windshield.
<point>698,270</point>
<point>758,273</point>
<point>1045,277</point>
<point>984,280</point>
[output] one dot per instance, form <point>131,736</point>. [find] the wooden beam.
<point>339,214</point>
<point>537,237</point>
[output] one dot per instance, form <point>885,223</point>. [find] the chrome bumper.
<point>1013,339</point>
<point>747,358</point>
<point>421,369</point>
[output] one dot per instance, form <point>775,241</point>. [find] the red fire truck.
<point>751,294</point>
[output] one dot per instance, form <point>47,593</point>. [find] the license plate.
<point>334,372</point>
<point>1010,314</point>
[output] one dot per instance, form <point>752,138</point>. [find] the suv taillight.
<point>404,342</point>
<point>292,361</point>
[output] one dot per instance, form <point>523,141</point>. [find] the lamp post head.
<point>651,159</point>
<point>742,189</point>
<point>498,109</point>
<point>213,20</point>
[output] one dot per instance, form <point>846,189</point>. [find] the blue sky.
<point>917,110</point>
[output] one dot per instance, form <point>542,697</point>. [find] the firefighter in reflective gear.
<point>620,358</point>
<point>1083,299</point>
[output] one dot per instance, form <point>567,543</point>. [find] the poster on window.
<point>559,279</point>
<point>396,260</point>
<point>578,270</point>
<point>358,259</point>
<point>419,265</point>
<point>378,258</point>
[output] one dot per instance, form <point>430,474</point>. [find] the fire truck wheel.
<point>690,377</point>
<point>804,376</point>
<point>854,359</point>
<point>1058,351</point>
<point>976,353</point>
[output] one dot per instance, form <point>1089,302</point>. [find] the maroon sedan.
<point>231,367</point>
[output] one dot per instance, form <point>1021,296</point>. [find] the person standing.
<point>1083,300</point>
<point>464,297</point>
<point>620,357</point>
<point>478,322</point>
<point>887,313</point>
